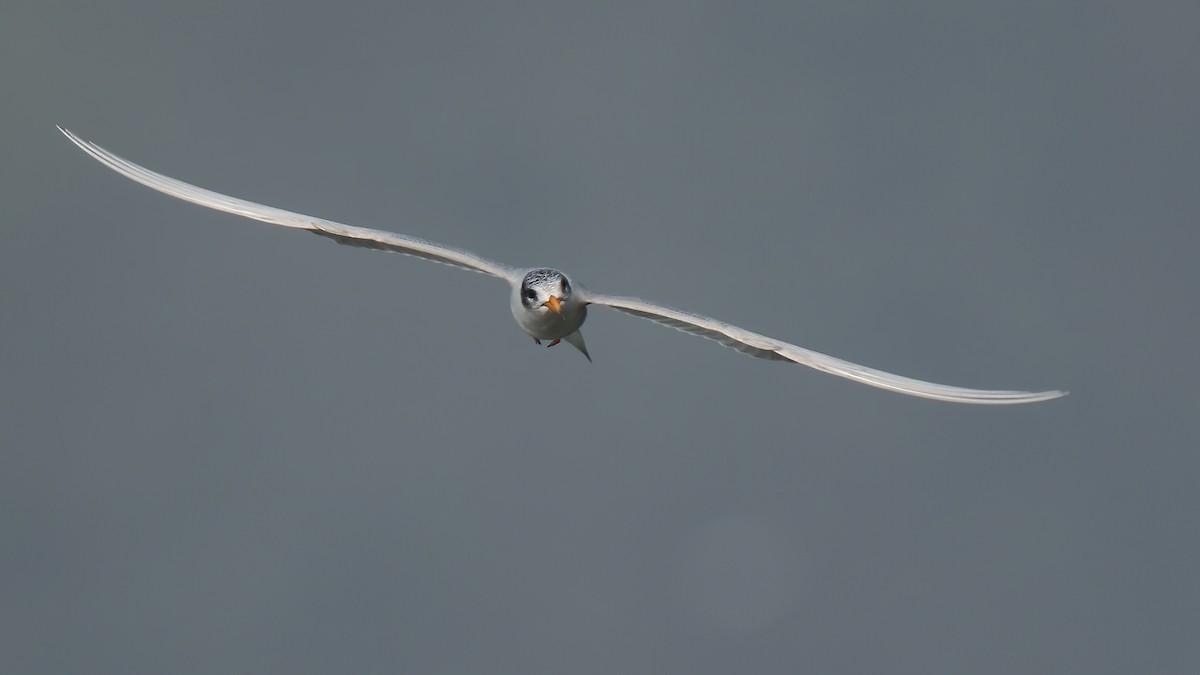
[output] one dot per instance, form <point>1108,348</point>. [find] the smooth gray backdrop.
<point>229,448</point>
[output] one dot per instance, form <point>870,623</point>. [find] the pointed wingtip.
<point>1036,397</point>
<point>71,135</point>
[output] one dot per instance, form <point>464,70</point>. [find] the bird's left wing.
<point>763,347</point>
<point>343,234</point>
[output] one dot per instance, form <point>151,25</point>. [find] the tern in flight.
<point>550,305</point>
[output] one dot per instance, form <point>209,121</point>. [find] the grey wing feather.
<point>343,234</point>
<point>764,347</point>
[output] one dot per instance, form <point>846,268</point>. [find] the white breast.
<point>543,324</point>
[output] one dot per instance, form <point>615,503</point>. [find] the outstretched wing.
<point>763,347</point>
<point>342,234</point>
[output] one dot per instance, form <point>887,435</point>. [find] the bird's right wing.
<point>763,347</point>
<point>343,234</point>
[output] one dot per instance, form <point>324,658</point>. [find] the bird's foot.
<point>537,341</point>
<point>552,343</point>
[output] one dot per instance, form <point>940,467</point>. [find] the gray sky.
<point>230,448</point>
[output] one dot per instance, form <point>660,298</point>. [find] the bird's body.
<point>546,303</point>
<point>547,307</point>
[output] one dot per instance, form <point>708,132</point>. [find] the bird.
<point>548,304</point>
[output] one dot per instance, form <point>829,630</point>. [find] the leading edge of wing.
<point>763,347</point>
<point>341,233</point>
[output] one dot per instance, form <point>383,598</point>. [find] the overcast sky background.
<point>232,448</point>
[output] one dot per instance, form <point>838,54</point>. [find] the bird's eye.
<point>529,294</point>
<point>566,288</point>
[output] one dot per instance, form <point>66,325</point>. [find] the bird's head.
<point>547,290</point>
